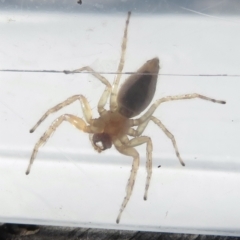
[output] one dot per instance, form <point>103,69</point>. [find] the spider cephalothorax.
<point>115,126</point>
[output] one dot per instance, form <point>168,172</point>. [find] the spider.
<point>114,126</point>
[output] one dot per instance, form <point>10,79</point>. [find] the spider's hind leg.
<point>113,98</point>
<point>155,105</point>
<point>103,100</point>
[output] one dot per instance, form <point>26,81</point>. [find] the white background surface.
<point>70,184</point>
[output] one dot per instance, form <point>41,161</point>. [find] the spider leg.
<point>133,153</point>
<point>113,99</point>
<point>75,121</point>
<point>142,126</point>
<point>84,104</point>
<point>139,141</point>
<point>151,110</point>
<point>127,149</point>
<point>170,135</point>
<point>135,133</point>
<point>103,100</point>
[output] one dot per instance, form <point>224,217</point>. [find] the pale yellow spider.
<point>115,125</point>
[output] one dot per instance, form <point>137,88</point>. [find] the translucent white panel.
<point>70,184</point>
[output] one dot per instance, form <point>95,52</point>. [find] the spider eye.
<point>102,140</point>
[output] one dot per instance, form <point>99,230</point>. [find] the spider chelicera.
<point>115,125</point>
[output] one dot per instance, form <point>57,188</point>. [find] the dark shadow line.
<point>123,73</point>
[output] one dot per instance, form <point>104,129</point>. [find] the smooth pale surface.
<point>70,184</point>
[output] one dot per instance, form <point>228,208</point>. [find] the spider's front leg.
<point>75,121</point>
<point>126,147</point>
<point>133,153</point>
